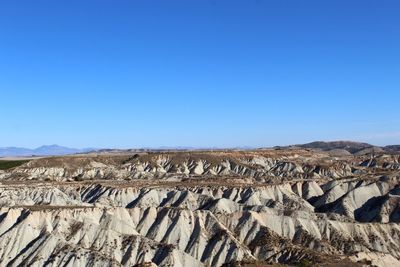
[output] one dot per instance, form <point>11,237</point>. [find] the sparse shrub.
<point>78,178</point>
<point>305,263</point>
<point>9,164</point>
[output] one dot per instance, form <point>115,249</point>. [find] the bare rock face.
<point>225,208</point>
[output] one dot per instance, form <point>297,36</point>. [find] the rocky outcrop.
<point>180,165</point>
<point>211,209</point>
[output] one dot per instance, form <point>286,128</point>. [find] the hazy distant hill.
<point>40,151</point>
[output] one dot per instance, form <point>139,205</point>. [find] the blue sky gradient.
<point>93,73</point>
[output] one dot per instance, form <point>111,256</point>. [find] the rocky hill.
<point>202,208</point>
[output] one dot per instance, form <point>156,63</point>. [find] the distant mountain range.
<point>336,147</point>
<point>51,150</point>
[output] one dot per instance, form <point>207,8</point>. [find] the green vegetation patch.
<point>8,164</point>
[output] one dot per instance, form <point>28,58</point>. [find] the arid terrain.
<point>316,205</point>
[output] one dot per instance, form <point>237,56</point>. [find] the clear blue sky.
<point>198,73</point>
